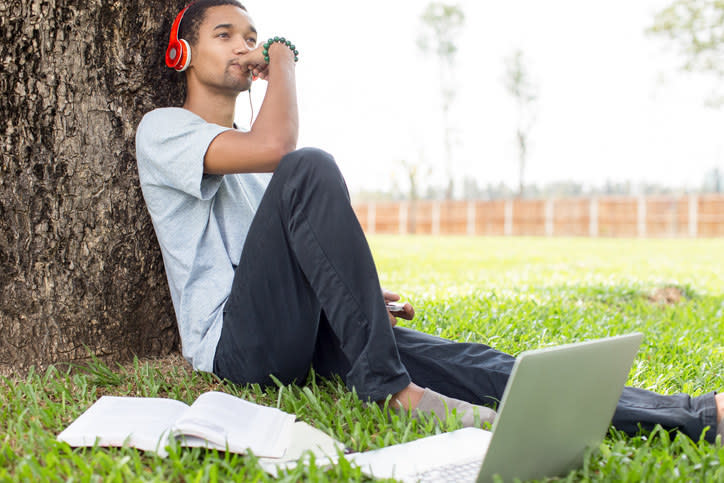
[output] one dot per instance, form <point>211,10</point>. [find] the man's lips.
<point>242,68</point>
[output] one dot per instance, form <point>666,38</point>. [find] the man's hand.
<point>253,61</point>
<point>408,313</point>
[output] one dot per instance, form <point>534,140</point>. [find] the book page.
<point>114,421</point>
<point>224,419</point>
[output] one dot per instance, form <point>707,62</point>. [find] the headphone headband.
<point>178,53</point>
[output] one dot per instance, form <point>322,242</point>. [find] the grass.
<point>515,294</point>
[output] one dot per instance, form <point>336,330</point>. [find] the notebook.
<point>558,404</point>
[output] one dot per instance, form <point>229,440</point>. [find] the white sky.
<point>612,103</point>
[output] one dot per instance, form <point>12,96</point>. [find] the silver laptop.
<point>558,403</point>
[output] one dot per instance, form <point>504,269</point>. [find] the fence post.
<point>693,216</point>
<point>641,217</point>
<point>435,218</point>
<point>404,208</point>
<point>549,217</point>
<point>593,218</point>
<point>371,215</point>
<point>508,221</point>
<point>471,218</point>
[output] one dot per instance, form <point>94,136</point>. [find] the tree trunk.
<point>80,268</point>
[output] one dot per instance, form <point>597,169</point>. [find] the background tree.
<point>713,181</point>
<point>442,24</point>
<point>521,87</point>
<point>417,174</point>
<point>696,28</point>
<point>80,267</point>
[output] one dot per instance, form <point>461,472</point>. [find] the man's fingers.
<point>261,71</point>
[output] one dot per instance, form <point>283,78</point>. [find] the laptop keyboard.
<point>454,473</point>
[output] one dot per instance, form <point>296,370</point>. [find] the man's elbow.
<point>283,147</point>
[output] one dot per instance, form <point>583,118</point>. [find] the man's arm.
<point>275,131</point>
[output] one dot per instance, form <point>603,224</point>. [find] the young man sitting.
<point>272,274</point>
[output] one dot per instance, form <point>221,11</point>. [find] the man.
<point>273,275</point>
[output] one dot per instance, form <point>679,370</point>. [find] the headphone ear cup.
<point>173,54</point>
<point>185,59</point>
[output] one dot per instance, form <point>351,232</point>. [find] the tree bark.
<point>80,268</point>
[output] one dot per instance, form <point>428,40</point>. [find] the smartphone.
<point>395,307</point>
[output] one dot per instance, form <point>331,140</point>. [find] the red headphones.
<point>178,53</point>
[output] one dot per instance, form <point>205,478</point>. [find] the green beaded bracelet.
<point>282,40</point>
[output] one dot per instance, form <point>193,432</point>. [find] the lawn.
<point>512,293</point>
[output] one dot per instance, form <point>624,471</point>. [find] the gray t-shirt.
<point>201,221</point>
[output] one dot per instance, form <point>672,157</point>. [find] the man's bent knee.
<point>312,171</point>
<point>312,162</point>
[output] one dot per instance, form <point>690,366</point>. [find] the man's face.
<point>225,35</point>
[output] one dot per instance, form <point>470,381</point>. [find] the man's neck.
<point>217,109</point>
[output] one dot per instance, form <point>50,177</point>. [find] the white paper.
<point>223,419</point>
<point>306,440</point>
<point>141,423</point>
<point>214,420</point>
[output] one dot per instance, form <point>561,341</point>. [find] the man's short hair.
<point>194,16</point>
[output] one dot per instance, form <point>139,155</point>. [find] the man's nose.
<point>241,48</point>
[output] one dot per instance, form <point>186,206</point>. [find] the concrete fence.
<point>620,216</point>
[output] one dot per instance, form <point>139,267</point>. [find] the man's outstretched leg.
<point>479,374</point>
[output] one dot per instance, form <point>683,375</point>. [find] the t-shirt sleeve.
<point>170,148</point>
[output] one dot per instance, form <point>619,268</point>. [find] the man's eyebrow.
<point>228,26</point>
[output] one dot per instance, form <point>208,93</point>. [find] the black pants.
<point>306,294</point>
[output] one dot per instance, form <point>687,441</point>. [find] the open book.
<point>215,420</point>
